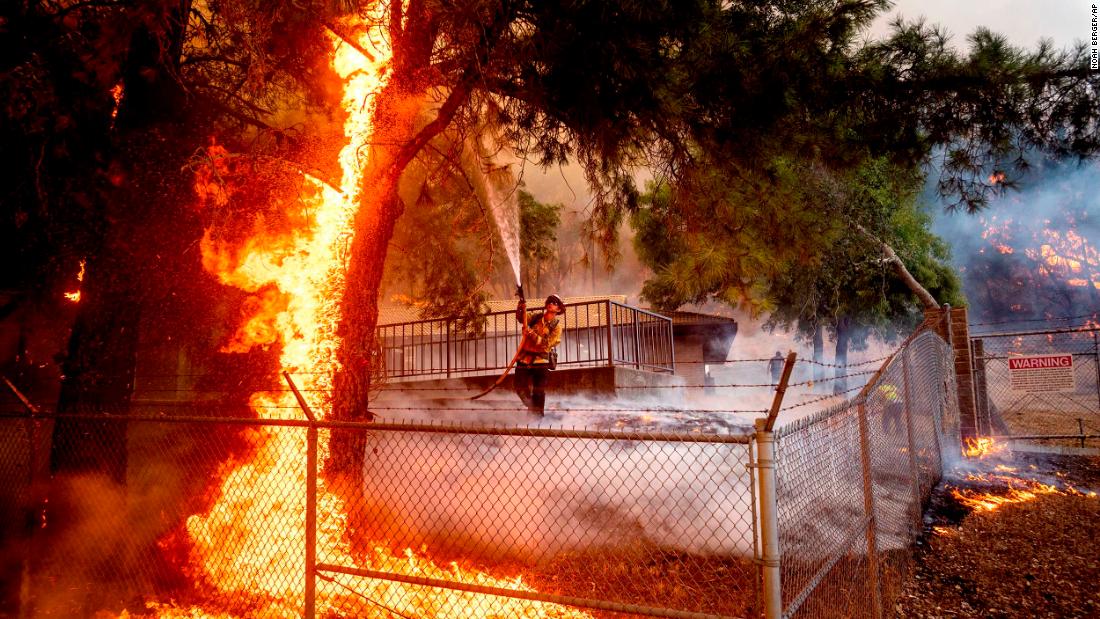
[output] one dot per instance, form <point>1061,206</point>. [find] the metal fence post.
<point>671,341</point>
<point>610,336</point>
<point>769,520</point>
<point>447,348</point>
<point>769,499</point>
<point>1096,354</point>
<point>309,610</point>
<point>637,344</point>
<point>869,508</point>
<point>914,470</point>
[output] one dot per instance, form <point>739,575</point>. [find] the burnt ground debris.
<point>1034,558</point>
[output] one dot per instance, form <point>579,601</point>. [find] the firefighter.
<point>538,355</point>
<point>893,414</point>
<point>775,369</point>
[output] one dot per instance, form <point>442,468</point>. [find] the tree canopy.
<point>731,106</point>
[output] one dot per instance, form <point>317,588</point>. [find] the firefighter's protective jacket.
<point>890,393</point>
<point>542,337</point>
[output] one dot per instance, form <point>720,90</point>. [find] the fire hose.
<point>515,357</point>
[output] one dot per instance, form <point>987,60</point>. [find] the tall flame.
<point>252,541</point>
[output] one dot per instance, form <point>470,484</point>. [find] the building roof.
<point>695,318</point>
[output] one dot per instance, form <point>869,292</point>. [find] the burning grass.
<point>1010,539</point>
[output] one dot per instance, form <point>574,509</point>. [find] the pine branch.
<point>926,298</point>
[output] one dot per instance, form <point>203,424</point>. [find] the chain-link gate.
<point>1039,385</point>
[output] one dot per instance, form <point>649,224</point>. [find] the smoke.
<point>581,269</point>
<point>1032,254</point>
<point>533,498</point>
<point>528,498</point>
<point>97,550</point>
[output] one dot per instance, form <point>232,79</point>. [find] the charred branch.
<point>339,33</point>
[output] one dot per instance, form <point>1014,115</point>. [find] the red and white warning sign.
<point>1042,373</point>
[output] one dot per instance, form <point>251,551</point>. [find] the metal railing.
<point>596,333</point>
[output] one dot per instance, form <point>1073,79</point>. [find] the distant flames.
<point>295,279</point>
<point>74,296</point>
<point>1055,262</point>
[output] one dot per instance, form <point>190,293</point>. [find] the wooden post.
<point>780,389</point>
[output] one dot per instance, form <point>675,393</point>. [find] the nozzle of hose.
<point>519,293</point>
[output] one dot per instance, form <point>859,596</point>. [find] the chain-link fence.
<point>853,480</point>
<point>445,521</point>
<point>1039,385</point>
<point>185,513</point>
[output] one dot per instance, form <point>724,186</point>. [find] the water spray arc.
<point>519,349</point>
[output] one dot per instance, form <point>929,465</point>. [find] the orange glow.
<point>116,94</point>
<point>996,178</point>
<point>252,540</point>
<point>983,447</point>
<point>74,296</point>
<point>987,501</point>
<point>1064,255</point>
<point>1017,490</point>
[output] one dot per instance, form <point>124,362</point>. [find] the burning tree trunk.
<point>399,134</point>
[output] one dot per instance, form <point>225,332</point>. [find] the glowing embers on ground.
<point>990,479</point>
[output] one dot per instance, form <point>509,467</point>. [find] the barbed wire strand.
<point>821,399</point>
